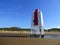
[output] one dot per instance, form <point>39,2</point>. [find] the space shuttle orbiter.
<point>37,24</point>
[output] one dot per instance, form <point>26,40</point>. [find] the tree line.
<point>27,29</point>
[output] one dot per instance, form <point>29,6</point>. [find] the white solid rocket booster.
<point>37,24</point>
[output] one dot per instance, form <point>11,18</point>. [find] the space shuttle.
<point>37,24</point>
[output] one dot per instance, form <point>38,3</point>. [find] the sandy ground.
<point>28,41</point>
<point>23,33</point>
<point>27,32</point>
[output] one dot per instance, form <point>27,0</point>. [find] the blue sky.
<point>17,13</point>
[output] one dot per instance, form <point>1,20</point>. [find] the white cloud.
<point>57,27</point>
